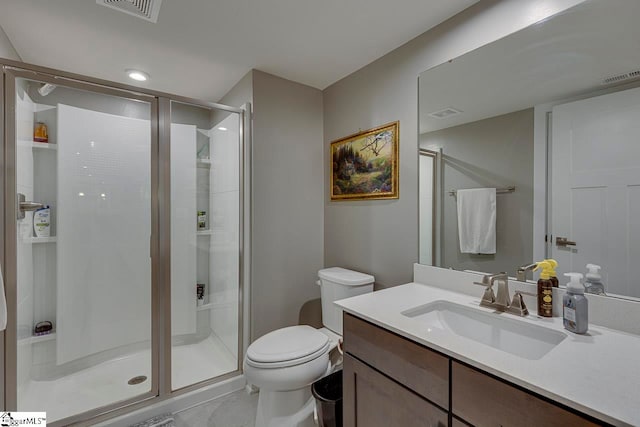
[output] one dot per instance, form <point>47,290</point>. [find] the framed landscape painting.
<point>365,165</point>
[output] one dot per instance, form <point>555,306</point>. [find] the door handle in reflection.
<point>24,206</point>
<point>563,241</point>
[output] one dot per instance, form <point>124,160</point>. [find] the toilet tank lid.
<point>345,277</point>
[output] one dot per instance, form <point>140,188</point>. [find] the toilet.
<point>284,363</point>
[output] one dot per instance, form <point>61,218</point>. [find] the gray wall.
<point>381,237</point>
<point>6,48</point>
<point>288,227</point>
<point>240,94</point>
<point>287,230</point>
<point>470,161</point>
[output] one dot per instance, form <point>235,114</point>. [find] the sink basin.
<point>494,330</point>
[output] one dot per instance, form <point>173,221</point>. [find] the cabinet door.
<point>373,400</point>
<point>484,401</point>
<point>412,365</point>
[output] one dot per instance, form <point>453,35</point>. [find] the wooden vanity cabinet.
<point>391,381</point>
<point>486,401</point>
<point>378,401</point>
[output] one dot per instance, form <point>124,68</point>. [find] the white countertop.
<point>597,373</point>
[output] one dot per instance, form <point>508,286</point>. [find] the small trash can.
<point>328,394</point>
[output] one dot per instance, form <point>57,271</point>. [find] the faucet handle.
<point>488,297</point>
<point>486,281</point>
<point>517,306</point>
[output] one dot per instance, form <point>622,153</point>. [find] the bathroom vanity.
<point>435,388</point>
<point>418,355</point>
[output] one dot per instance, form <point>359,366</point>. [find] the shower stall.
<point>132,290</point>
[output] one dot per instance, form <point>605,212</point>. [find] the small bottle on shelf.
<point>40,133</point>
<point>202,220</point>
<point>200,294</point>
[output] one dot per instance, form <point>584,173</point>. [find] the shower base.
<point>107,382</point>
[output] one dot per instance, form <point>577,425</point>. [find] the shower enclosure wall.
<point>134,293</point>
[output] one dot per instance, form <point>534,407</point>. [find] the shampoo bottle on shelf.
<point>42,222</point>
<point>552,272</point>
<point>593,284</point>
<point>575,306</point>
<point>545,290</point>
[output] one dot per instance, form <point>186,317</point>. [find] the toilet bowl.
<point>284,363</point>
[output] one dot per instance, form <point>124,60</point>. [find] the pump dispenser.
<point>553,275</point>
<point>545,290</point>
<point>575,306</point>
<point>593,284</point>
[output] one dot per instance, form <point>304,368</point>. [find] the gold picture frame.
<point>364,166</point>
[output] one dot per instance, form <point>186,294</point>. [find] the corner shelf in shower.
<point>38,145</point>
<point>37,338</point>
<point>34,240</point>
<point>204,232</point>
<point>203,163</point>
<point>43,107</point>
<point>205,307</point>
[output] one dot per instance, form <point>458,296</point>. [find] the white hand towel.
<point>477,220</point>
<point>3,305</point>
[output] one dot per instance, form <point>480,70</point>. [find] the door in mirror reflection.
<point>595,182</point>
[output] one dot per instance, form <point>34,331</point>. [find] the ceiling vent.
<point>446,113</point>
<point>621,77</point>
<point>144,9</point>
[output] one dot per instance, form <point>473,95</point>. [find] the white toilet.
<point>284,363</point>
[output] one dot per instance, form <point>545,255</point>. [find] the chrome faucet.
<point>501,301</point>
<point>521,273</point>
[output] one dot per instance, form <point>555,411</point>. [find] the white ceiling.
<point>201,48</point>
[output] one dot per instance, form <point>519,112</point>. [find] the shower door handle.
<point>25,206</point>
<point>30,206</point>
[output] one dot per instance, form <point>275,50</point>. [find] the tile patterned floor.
<point>234,410</point>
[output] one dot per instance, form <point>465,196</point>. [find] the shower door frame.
<point>160,244</point>
<point>10,238</point>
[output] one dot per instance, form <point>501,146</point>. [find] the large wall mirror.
<point>549,117</point>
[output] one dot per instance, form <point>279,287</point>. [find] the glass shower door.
<point>84,224</point>
<point>205,243</point>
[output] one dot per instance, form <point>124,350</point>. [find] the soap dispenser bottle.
<point>593,284</point>
<point>545,290</point>
<point>553,275</point>
<point>575,306</point>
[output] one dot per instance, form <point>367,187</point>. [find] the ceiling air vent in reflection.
<point>621,77</point>
<point>144,9</point>
<point>446,113</point>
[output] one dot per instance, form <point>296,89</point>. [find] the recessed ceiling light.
<point>137,75</point>
<point>222,128</point>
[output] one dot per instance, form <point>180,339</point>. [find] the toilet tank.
<point>338,283</point>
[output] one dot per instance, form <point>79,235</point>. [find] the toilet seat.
<point>286,347</point>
